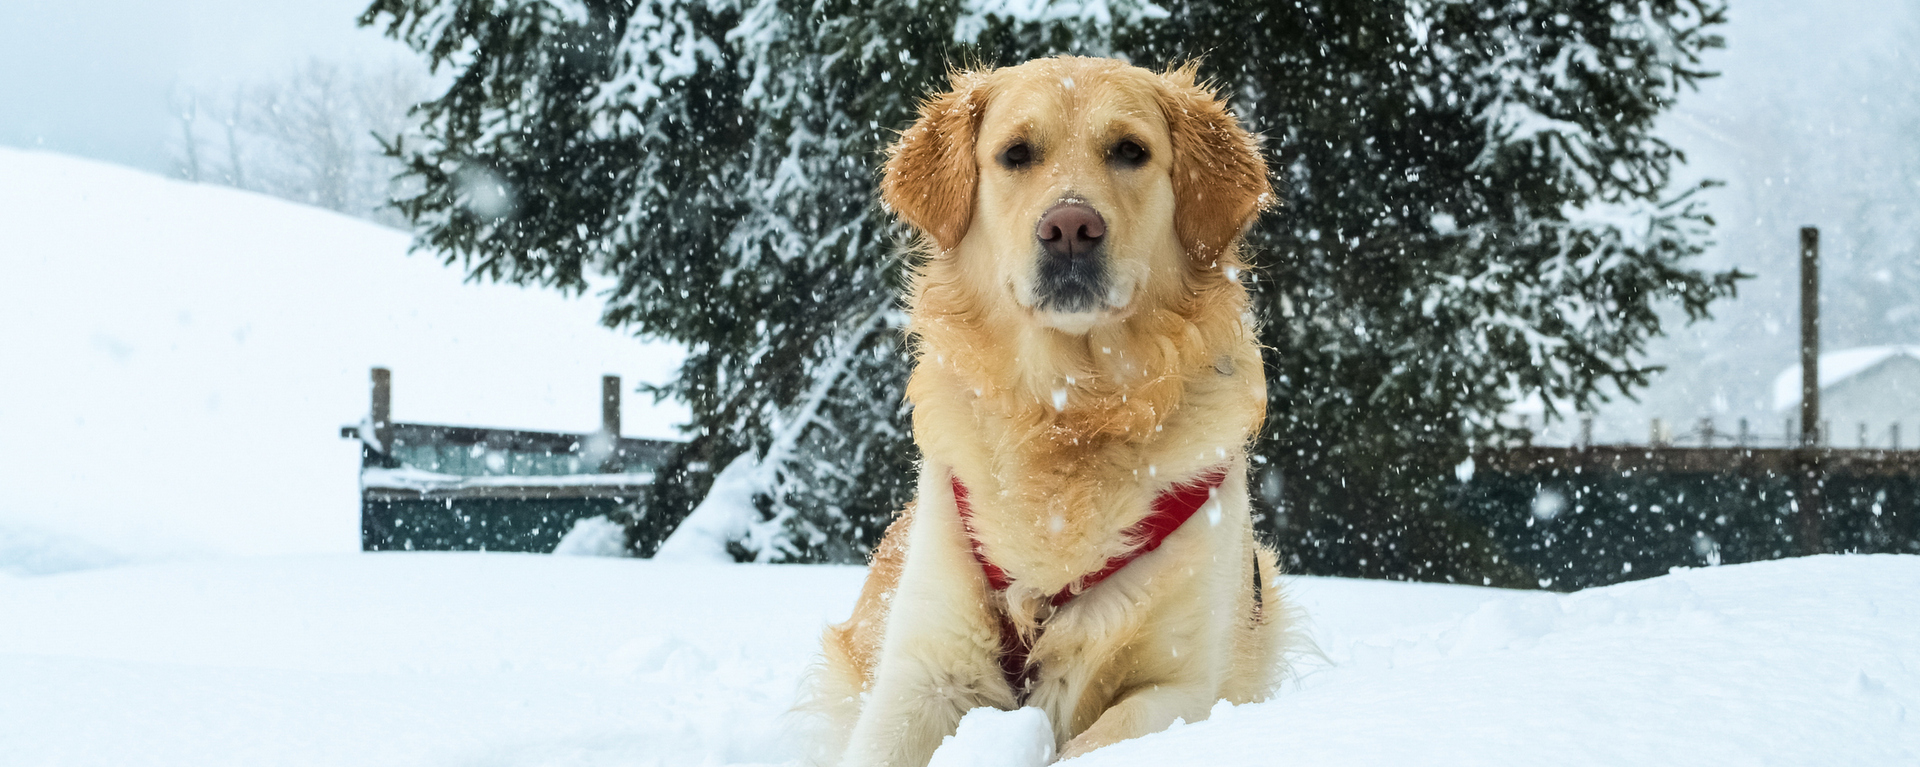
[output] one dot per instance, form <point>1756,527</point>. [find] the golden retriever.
<point>1083,353</point>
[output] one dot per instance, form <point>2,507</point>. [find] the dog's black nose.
<point>1071,229</point>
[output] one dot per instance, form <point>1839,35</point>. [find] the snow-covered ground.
<point>500,659</point>
<point>176,361</point>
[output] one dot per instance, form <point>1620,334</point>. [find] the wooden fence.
<point>1594,515</point>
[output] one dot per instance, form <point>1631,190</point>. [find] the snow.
<point>179,359</point>
<point>976,15</point>
<point>593,537</point>
<point>1789,662</point>
<point>726,513</point>
<point>1836,367</point>
<point>504,659</point>
<point>989,737</point>
<point>31,550</point>
<point>372,659</point>
<point>409,478</point>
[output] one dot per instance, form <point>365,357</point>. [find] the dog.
<point>1086,380</point>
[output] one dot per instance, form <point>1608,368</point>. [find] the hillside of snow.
<point>503,659</point>
<point>178,360</point>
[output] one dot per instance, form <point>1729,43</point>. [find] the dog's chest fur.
<point>1055,482</point>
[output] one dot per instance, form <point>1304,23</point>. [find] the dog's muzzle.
<point>1073,264</point>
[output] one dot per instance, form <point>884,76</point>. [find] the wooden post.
<point>1586,431</point>
<point>1706,432</point>
<point>610,405</point>
<point>1746,437</point>
<point>381,413</point>
<point>1809,337</point>
<point>1893,436</point>
<point>1810,502</point>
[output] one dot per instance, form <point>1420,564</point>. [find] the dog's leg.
<point>939,658</point>
<point>1145,711</point>
<point>937,665</point>
<point>911,710</point>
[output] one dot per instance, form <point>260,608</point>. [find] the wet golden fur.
<point>1063,426</point>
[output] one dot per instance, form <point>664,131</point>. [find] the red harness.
<point>1171,509</point>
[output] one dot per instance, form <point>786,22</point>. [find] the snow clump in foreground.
<point>989,737</point>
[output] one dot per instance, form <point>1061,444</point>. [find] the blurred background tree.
<point>1476,211</point>
<point>311,135</point>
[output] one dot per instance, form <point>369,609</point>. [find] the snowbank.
<point>500,659</point>
<point>1804,661</point>
<point>408,659</point>
<point>179,357</point>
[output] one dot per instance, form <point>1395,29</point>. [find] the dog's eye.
<point>1129,153</point>
<point>1016,156</point>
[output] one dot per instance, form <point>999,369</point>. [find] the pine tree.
<point>1475,211</point>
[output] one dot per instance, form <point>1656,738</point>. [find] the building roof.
<point>1836,367</point>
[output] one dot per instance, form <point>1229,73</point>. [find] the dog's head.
<point>1070,190</point>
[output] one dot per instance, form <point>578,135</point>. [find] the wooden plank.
<point>508,492</point>
<point>1811,431</point>
<point>381,410</point>
<point>610,405</point>
<point>1720,460</point>
<point>1809,337</point>
<point>514,440</point>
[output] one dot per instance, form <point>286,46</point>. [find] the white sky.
<point>92,77</point>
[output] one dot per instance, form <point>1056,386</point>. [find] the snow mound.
<point>1803,661</point>
<point>27,550</point>
<point>989,737</point>
<point>725,514</point>
<point>510,660</point>
<point>593,537</point>
<point>178,360</point>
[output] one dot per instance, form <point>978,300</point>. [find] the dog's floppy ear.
<point>931,174</point>
<point>1219,178</point>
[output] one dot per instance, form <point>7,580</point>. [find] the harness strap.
<point>1171,509</point>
